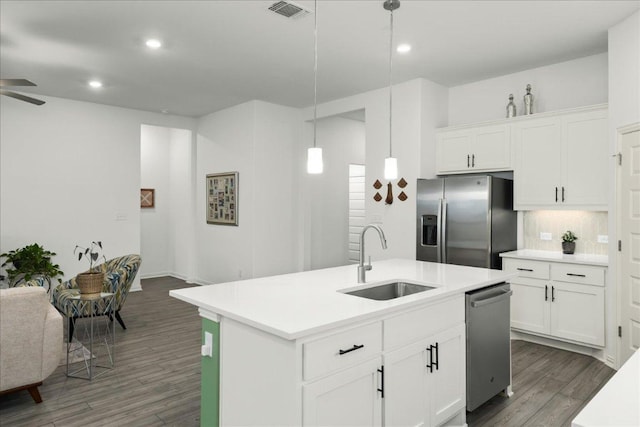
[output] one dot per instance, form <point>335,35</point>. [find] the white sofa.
<point>30,339</point>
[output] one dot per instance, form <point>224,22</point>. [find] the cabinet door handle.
<point>437,357</point>
<point>473,160</point>
<point>467,160</point>
<point>381,389</point>
<point>354,348</point>
<point>433,361</point>
<point>563,194</point>
<point>556,194</point>
<point>553,294</point>
<point>524,269</point>
<point>576,275</point>
<point>546,293</point>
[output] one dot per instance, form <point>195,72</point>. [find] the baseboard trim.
<point>562,345</point>
<point>191,281</point>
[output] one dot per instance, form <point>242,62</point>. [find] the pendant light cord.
<point>315,70</point>
<point>390,84</point>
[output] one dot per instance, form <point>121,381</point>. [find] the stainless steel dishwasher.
<point>488,343</point>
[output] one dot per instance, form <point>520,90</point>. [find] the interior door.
<point>629,234</point>
<point>467,230</point>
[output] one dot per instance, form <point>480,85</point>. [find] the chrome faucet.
<point>383,240</point>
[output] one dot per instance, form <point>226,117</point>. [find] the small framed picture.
<point>222,198</point>
<point>147,197</point>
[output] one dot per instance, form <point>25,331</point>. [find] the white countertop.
<point>599,260</point>
<point>618,402</point>
<point>299,304</point>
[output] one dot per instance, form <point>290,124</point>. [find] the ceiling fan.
<point>18,82</point>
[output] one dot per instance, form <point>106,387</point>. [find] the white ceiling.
<point>222,53</point>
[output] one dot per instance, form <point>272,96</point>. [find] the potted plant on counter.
<point>569,242</point>
<point>90,282</point>
<point>30,262</point>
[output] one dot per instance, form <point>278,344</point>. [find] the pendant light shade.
<point>314,160</point>
<point>390,168</point>
<point>391,163</point>
<point>314,154</point>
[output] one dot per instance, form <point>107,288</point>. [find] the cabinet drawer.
<point>341,350</point>
<point>526,268</point>
<point>578,274</point>
<point>414,325</point>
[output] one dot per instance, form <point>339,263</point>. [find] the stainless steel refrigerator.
<point>465,220</point>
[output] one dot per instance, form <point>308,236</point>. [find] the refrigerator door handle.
<point>439,232</point>
<point>443,227</point>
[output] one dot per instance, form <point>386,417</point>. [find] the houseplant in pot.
<point>90,282</point>
<point>569,242</point>
<point>31,262</point>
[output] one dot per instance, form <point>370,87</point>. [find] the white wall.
<point>257,140</point>
<point>70,174</point>
<point>413,143</point>
<point>567,84</point>
<point>624,110</point>
<point>154,222</point>
<point>166,229</point>
<point>342,142</point>
<point>182,212</point>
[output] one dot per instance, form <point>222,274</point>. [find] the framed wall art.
<point>147,197</point>
<point>222,198</point>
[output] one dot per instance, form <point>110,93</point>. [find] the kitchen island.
<point>296,349</point>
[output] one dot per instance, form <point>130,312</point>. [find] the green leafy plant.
<point>30,262</point>
<point>92,253</point>
<point>569,236</point>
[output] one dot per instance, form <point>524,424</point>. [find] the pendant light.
<point>391,163</point>
<point>314,154</point>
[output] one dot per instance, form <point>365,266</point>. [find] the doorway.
<point>628,209</point>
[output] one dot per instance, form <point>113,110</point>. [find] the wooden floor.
<point>157,377</point>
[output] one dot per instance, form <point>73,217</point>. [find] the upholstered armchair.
<point>30,339</point>
<point>119,275</point>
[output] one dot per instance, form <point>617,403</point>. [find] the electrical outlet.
<point>377,218</point>
<point>603,238</point>
<point>546,236</point>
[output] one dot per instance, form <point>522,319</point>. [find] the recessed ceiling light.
<point>95,84</point>
<point>153,44</point>
<point>403,48</point>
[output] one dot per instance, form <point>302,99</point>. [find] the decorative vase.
<point>90,284</point>
<point>568,247</point>
<point>511,107</point>
<point>528,102</point>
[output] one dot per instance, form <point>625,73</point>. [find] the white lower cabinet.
<point>425,381</point>
<point>350,398</point>
<point>418,379</point>
<point>560,300</point>
<point>577,312</point>
<point>405,368</point>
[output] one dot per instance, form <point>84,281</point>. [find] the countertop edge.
<point>551,256</point>
<point>413,303</point>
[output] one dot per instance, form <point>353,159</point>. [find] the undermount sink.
<point>390,290</point>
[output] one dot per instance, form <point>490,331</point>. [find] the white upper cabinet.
<point>562,162</point>
<point>560,159</point>
<point>539,162</point>
<point>477,149</point>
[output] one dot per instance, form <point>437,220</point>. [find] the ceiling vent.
<point>289,9</point>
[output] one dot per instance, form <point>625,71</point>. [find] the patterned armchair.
<point>119,275</point>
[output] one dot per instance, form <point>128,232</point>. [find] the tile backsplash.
<point>586,225</point>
